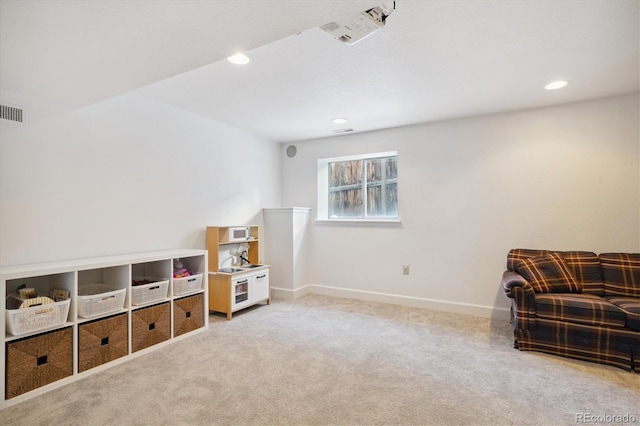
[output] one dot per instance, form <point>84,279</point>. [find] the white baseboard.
<point>287,294</point>
<point>415,302</point>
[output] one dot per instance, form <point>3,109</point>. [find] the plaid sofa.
<point>576,304</point>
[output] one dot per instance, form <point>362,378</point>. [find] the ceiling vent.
<point>355,28</point>
<point>338,131</point>
<point>12,113</point>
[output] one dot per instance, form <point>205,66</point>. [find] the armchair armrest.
<point>523,305</point>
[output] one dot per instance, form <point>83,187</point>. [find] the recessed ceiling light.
<point>238,59</point>
<point>339,120</point>
<point>556,85</point>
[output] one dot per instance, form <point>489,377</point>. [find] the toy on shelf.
<point>179,270</point>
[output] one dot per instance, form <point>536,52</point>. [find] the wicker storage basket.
<point>36,361</point>
<point>102,341</point>
<point>187,314</point>
<point>150,326</point>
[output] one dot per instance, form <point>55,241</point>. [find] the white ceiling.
<point>434,60</point>
<point>77,52</point>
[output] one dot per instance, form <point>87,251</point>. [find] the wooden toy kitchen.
<point>237,279</point>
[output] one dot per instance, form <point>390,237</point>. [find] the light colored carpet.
<point>321,360</point>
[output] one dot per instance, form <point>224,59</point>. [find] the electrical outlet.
<point>405,269</point>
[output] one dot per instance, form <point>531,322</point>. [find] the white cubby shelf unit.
<point>133,319</point>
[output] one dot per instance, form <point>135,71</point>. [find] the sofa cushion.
<point>579,308</point>
<point>621,274</point>
<point>631,308</point>
<point>584,265</point>
<point>515,255</point>
<point>548,274</point>
<point>586,268</point>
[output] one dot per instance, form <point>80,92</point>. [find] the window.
<point>358,187</point>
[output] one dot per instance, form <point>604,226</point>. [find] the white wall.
<point>126,175</point>
<point>564,178</point>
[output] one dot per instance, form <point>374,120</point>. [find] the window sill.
<point>358,221</point>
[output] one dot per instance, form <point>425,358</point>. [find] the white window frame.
<point>323,188</point>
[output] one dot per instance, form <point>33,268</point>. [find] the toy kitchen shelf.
<point>233,283</point>
<point>89,317</point>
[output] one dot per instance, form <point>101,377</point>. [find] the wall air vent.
<point>12,113</point>
<point>338,131</point>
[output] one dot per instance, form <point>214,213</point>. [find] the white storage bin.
<point>22,321</point>
<point>186,285</point>
<point>147,293</point>
<point>98,299</point>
